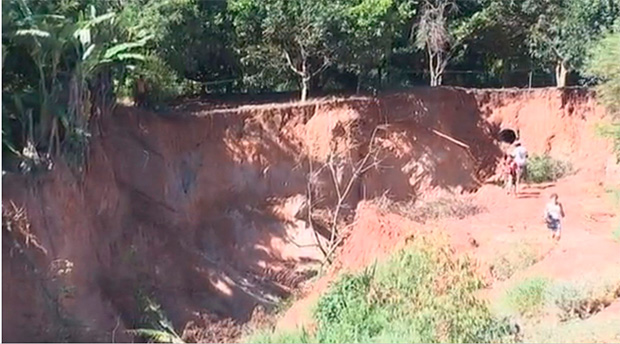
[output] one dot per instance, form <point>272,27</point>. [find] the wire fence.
<point>395,79</point>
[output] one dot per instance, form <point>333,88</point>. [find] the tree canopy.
<point>184,47</point>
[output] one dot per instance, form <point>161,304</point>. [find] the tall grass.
<point>518,258</point>
<point>421,294</point>
<point>528,297</point>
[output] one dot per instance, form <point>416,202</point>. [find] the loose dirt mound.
<point>206,211</point>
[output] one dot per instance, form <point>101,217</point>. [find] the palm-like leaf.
<point>124,47</point>
<point>33,32</point>
<point>156,336</point>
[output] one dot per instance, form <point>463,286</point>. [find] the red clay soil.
<point>205,210</point>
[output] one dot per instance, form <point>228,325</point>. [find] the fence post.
<point>530,80</point>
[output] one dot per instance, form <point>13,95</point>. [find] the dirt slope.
<point>204,209</point>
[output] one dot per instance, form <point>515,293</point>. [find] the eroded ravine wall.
<point>205,210</point>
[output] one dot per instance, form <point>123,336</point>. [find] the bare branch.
<point>291,64</point>
<point>326,63</point>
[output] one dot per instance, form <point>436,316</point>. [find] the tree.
<point>442,39</point>
<point>371,27</point>
<point>605,65</point>
<point>195,38</point>
<point>302,35</point>
<point>563,30</point>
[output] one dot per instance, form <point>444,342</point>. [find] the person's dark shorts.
<point>521,171</point>
<point>554,224</point>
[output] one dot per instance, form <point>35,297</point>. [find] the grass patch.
<point>582,299</point>
<point>270,336</point>
<point>614,194</point>
<point>611,131</point>
<point>516,259</point>
<point>616,234</point>
<point>421,294</point>
<point>544,168</point>
<point>527,298</point>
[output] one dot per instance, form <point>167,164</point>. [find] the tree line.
<point>65,61</point>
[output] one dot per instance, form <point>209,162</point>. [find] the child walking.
<point>554,212</point>
<point>510,174</point>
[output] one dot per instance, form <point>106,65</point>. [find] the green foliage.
<point>605,65</point>
<point>563,30</point>
<point>422,294</point>
<point>370,28</point>
<point>164,85</point>
<point>300,35</point>
<point>57,73</point>
<point>194,38</point>
<point>527,297</point>
<point>516,259</point>
<point>616,234</point>
<point>544,168</point>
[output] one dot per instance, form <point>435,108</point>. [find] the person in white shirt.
<point>554,212</point>
<point>520,157</point>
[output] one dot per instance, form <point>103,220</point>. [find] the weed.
<point>516,259</point>
<point>527,297</point>
<point>544,168</point>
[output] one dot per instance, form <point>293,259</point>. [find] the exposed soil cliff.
<point>205,209</point>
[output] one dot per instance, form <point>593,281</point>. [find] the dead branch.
<point>449,138</point>
<point>342,195</point>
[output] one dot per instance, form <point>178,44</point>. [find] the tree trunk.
<point>561,74</point>
<point>305,86</point>
<point>435,68</point>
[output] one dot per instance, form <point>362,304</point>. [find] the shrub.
<point>519,258</point>
<point>543,168</point>
<point>422,294</point>
<point>527,297</point>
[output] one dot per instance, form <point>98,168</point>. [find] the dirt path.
<point>586,247</point>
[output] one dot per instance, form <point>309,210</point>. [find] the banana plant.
<point>74,59</point>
